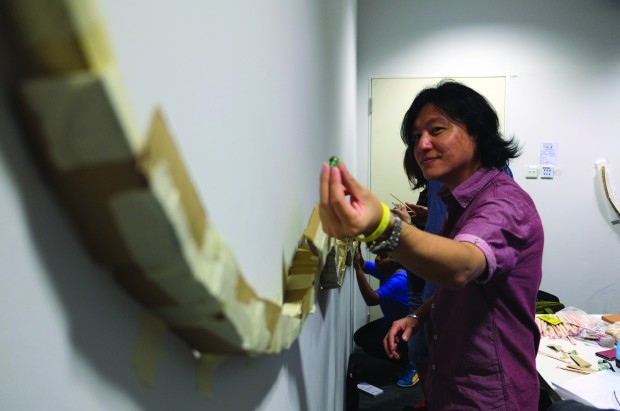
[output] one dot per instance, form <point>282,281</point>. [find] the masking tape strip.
<point>206,366</point>
<point>147,348</point>
<point>160,149</point>
<point>250,363</point>
<point>286,331</point>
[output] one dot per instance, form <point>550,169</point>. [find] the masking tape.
<point>207,364</point>
<point>147,348</point>
<point>161,149</point>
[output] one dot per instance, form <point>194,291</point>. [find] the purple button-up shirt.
<point>484,339</point>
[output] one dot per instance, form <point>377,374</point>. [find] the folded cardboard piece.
<point>339,257</point>
<point>337,254</point>
<point>59,36</point>
<point>132,200</point>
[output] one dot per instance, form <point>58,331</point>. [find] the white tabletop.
<point>549,368</point>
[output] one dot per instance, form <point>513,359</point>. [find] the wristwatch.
<point>390,244</point>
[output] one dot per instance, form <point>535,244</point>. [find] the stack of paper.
<point>600,389</point>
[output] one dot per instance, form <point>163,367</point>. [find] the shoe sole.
<point>408,385</point>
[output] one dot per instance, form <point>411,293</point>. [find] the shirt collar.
<point>465,192</point>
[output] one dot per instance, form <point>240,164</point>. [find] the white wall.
<point>258,95</point>
<point>562,58</point>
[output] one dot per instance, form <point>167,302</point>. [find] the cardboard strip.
<point>580,361</point>
<point>147,348</point>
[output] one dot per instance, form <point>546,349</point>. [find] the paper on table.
<point>600,389</point>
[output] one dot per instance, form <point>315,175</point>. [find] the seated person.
<point>391,296</point>
<point>428,215</point>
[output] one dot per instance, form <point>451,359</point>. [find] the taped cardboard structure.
<point>132,201</point>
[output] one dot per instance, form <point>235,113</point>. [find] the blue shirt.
<point>484,338</point>
<point>392,293</point>
<point>436,215</point>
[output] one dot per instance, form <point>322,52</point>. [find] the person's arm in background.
<point>370,296</point>
<point>412,214</point>
<point>403,329</point>
<point>415,288</point>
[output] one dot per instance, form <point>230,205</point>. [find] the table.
<point>548,368</point>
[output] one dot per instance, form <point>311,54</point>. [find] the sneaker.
<point>409,379</point>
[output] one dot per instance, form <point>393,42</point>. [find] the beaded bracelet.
<point>385,220</point>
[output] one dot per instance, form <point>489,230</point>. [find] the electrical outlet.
<point>531,172</point>
<point>546,172</point>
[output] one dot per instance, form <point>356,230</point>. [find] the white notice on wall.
<point>549,153</point>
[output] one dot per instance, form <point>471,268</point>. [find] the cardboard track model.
<point>132,200</point>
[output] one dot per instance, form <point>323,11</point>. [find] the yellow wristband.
<point>385,220</point>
